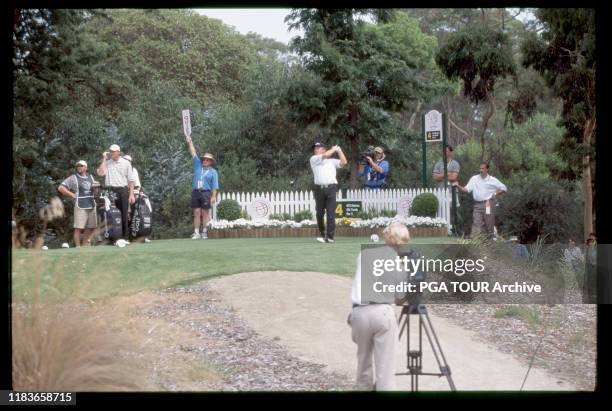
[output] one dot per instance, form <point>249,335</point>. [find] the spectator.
<point>452,169</point>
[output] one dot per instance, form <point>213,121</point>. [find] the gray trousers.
<point>481,220</point>
<point>375,331</point>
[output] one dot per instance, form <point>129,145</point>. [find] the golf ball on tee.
<point>374,238</point>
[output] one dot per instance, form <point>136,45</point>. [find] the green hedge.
<point>424,205</point>
<point>228,209</point>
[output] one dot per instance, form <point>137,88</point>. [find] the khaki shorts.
<point>85,218</point>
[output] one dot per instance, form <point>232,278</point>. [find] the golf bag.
<point>140,218</point>
<point>109,218</point>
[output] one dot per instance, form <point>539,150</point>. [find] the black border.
<point>602,208</point>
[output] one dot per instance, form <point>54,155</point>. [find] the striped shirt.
<point>118,173</point>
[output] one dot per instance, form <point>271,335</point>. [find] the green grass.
<point>530,315</point>
<point>102,271</point>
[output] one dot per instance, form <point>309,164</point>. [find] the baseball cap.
<point>379,150</point>
<point>208,156</point>
<point>128,157</point>
<point>114,147</point>
<point>81,163</point>
<point>318,144</point>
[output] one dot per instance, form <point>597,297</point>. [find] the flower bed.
<point>241,228</point>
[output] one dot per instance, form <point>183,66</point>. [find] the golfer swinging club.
<point>324,170</point>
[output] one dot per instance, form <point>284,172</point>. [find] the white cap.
<point>81,163</point>
<point>128,157</point>
<point>114,147</point>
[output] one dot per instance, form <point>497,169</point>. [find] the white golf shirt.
<point>324,169</point>
<point>483,188</point>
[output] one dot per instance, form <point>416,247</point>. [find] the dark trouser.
<point>123,203</point>
<point>481,219</point>
<point>325,199</point>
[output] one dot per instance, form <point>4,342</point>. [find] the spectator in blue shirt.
<point>375,170</point>
<point>205,188</point>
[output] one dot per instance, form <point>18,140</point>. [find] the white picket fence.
<point>294,201</point>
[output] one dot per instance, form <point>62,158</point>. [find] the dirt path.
<point>306,312</point>
<point>279,331</point>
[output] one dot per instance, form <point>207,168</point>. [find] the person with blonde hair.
<point>374,325</point>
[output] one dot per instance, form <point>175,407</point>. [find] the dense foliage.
<point>85,79</point>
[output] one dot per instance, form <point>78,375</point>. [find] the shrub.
<point>302,215</point>
<point>280,216</point>
<point>228,209</point>
<point>424,205</point>
<point>536,206</point>
<point>374,213</point>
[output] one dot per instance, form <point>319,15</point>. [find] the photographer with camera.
<point>374,325</point>
<point>374,166</point>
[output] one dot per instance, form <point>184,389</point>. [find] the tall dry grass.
<point>59,348</point>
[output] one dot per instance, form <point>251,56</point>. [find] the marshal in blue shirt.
<point>204,178</point>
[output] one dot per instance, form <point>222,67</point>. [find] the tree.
<point>564,54</point>
<point>201,56</point>
<point>360,73</point>
<point>56,79</point>
<point>478,56</point>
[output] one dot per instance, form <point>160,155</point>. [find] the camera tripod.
<point>415,357</point>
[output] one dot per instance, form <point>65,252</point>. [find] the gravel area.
<point>242,359</point>
<point>189,339</point>
<point>568,335</point>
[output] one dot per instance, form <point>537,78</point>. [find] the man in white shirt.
<point>484,189</point>
<point>117,173</point>
<point>325,187</point>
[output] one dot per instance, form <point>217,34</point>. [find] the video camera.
<point>412,298</point>
<point>369,152</point>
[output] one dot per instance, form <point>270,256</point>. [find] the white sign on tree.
<point>433,126</point>
<point>186,123</point>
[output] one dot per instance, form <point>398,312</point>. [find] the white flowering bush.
<point>242,223</point>
<point>411,221</point>
<point>379,222</point>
